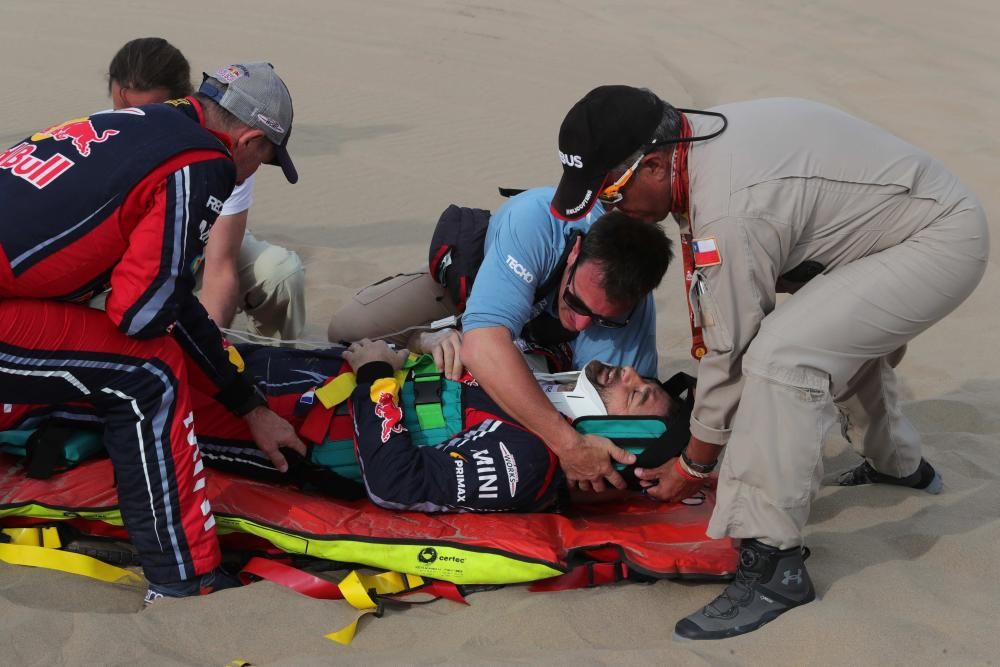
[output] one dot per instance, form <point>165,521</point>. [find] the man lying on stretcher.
<point>493,464</point>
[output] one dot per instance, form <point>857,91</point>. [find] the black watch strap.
<point>703,468</point>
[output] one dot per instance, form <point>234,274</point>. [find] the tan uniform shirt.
<point>792,180</point>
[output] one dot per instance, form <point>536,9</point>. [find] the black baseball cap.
<point>599,133</point>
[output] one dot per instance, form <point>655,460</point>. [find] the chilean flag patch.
<point>706,252</point>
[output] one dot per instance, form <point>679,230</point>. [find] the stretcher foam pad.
<point>650,538</point>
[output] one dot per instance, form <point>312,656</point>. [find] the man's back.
<point>67,224</point>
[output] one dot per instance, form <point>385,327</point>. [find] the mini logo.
<point>789,577</point>
<point>571,160</point>
<point>427,555</point>
<point>271,123</point>
<point>519,270</point>
<point>391,415</point>
<point>80,131</point>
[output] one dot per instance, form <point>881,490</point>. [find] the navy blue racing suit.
<point>493,465</point>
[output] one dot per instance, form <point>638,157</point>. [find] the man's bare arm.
<point>220,291</point>
<point>490,355</point>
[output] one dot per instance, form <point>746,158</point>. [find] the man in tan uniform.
<point>875,239</point>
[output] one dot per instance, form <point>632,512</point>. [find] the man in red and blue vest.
<point>126,200</point>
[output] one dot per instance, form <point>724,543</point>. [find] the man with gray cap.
<point>125,200</point>
<point>876,241</point>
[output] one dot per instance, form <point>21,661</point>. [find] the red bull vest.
<point>63,181</point>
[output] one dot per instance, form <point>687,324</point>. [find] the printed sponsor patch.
<point>391,414</point>
<point>20,161</point>
<point>511,466</point>
<point>229,74</point>
<point>271,123</point>
<point>80,132</point>
<point>706,252</point>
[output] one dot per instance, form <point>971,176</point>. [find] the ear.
<point>248,135</point>
<point>658,164</point>
<point>574,252</point>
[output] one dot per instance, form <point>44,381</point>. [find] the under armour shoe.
<point>768,583</point>
<point>925,478</point>
<point>216,580</point>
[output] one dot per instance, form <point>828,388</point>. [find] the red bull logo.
<point>80,131</point>
<point>21,162</point>
<point>391,415</point>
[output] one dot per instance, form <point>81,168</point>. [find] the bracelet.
<point>704,468</point>
<point>688,474</point>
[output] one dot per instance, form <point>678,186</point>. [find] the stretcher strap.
<point>427,401</point>
<point>336,391</point>
<point>339,389</point>
<point>66,561</point>
<point>361,591</point>
<point>587,575</point>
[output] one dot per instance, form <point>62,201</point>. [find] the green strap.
<point>429,414</point>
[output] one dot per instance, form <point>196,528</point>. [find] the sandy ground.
<point>405,107</point>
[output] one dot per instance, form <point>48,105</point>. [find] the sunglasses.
<point>577,305</point>
<point>612,194</point>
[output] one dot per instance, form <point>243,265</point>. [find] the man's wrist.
<point>241,396</point>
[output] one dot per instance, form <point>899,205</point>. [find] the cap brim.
<point>576,194</point>
<point>284,160</point>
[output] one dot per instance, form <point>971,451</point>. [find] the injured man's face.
<point>625,392</point>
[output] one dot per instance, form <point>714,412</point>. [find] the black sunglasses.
<point>577,305</point>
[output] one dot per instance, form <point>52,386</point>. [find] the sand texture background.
<point>405,107</point>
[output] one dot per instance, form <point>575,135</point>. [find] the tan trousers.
<point>389,306</point>
<point>272,288</point>
<point>835,341</point>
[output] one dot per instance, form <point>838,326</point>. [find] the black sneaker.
<point>768,583</point>
<point>925,478</point>
<point>216,580</point>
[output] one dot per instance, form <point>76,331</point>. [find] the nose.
<point>581,322</point>
<point>629,375</point>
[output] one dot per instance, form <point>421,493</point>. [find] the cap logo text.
<point>571,160</point>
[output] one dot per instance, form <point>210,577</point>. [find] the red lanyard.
<point>680,209</point>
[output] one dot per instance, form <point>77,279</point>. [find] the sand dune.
<point>405,107</point>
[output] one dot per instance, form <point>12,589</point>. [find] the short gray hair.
<point>667,131</point>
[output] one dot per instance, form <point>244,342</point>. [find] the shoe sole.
<point>734,632</point>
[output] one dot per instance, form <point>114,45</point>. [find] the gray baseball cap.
<point>254,93</point>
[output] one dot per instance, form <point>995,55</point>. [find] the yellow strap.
<point>346,634</point>
<point>355,588</point>
<point>236,359</point>
<point>336,391</point>
<point>47,536</point>
<point>67,561</point>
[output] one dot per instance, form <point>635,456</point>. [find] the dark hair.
<point>633,255</point>
<point>151,62</point>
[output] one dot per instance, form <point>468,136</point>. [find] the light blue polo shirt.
<point>523,245</point>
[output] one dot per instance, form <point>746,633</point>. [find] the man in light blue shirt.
<point>602,296</point>
<point>524,246</point>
